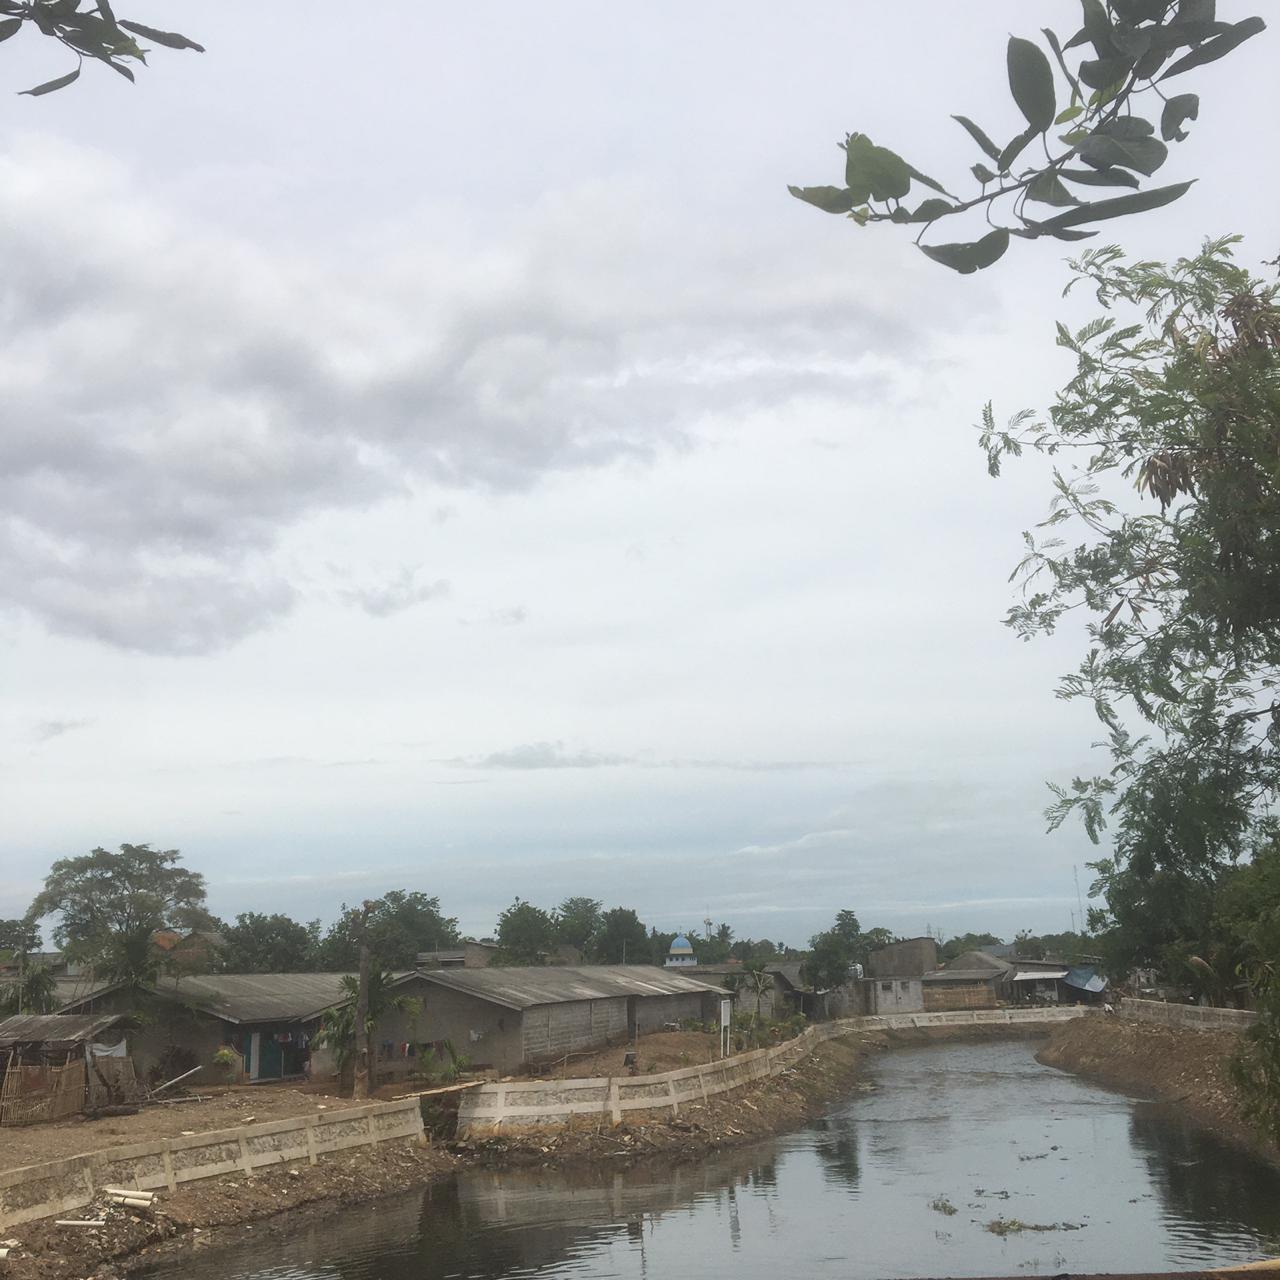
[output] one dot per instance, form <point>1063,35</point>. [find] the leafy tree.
<point>848,930</point>
<point>724,934</point>
<point>659,946</point>
<point>525,934</point>
<point>622,939</point>
<point>259,943</point>
<point>577,920</point>
<point>109,906</point>
<point>829,960</point>
<point>876,938</point>
<point>1177,391</point>
<point>19,937</point>
<point>963,942</point>
<point>1130,51</point>
<point>34,990</point>
<point>400,925</point>
<point>94,32</point>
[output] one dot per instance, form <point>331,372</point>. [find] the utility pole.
<point>360,1085</point>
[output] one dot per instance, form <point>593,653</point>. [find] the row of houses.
<point>500,1018</point>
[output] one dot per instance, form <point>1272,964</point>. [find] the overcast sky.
<point>438,454</point>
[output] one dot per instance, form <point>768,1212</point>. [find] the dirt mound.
<point>1165,1064</point>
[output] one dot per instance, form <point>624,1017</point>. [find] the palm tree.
<point>33,991</point>
<point>338,1026</point>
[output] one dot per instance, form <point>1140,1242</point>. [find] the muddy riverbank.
<point>219,1210</point>
<point>1183,1069</point>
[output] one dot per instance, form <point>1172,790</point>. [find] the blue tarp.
<point>1085,979</point>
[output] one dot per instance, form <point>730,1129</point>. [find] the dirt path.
<point>225,1109</point>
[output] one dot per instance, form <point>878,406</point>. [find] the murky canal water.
<point>903,1179</point>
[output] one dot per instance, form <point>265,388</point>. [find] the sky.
<point>437,453</point>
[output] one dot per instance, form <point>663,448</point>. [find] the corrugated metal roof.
<point>962,975</point>
<point>259,997</point>
<point>521,988</point>
<point>1038,975</point>
<point>54,1028</point>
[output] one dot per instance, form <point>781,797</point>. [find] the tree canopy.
<point>1129,52</point>
<point>86,31</point>
<point>110,905</point>
<point>400,925</point>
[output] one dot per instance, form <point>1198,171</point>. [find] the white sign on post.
<point>726,1019</point>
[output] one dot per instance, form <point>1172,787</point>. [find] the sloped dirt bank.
<point>1186,1070</point>
<point>219,1210</point>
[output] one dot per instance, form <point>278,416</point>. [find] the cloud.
<point>402,592</point>
<point>177,397</point>
<point>547,755</point>
<point>46,730</point>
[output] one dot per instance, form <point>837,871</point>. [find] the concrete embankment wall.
<point>40,1191</point>
<point>1190,1017</point>
<point>535,1104</point>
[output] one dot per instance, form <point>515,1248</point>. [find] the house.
<point>53,1066</point>
<point>798,995</point>
<point>895,981</point>
<point>1056,982</point>
<point>749,998</point>
<point>270,1020</point>
<point>973,980</point>
<point>507,1018</point>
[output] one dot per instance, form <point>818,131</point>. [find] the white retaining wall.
<point>552,1103</point>
<point>1190,1017</point>
<point>42,1190</point>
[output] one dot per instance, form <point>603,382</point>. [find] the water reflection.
<point>837,1148</point>
<point>904,1180</point>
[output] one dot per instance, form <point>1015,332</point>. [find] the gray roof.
<point>522,988</point>
<point>66,991</point>
<point>54,1028</point>
<point>259,997</point>
<point>962,975</point>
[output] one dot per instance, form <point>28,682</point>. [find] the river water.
<point>904,1178</point>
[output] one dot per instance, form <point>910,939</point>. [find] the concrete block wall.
<point>60,1186</point>
<point>540,1104</point>
<point>1188,1016</point>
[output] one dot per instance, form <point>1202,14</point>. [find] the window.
<point>886,986</point>
<point>904,986</point>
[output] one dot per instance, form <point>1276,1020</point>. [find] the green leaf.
<point>876,170</point>
<point>1052,38</point>
<point>982,173</point>
<point>1145,155</point>
<point>978,136</point>
<point>1066,116</point>
<point>1015,149</point>
<point>170,39</point>
<point>828,199</point>
<point>1218,47</point>
<point>1117,207</point>
<point>1046,188</point>
<point>899,214</point>
<point>931,209</point>
<point>1104,72</point>
<point>1131,40</point>
<point>1031,83</point>
<point>1126,127</point>
<point>10,27</point>
<point>968,258</point>
<point>51,86</point>
<point>1139,10</point>
<point>1100,177</point>
<point>1186,106</point>
<point>1098,26</point>
<point>928,181</point>
<point>855,144</point>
